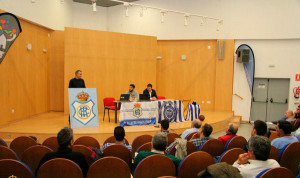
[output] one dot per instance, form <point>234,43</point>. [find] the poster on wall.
<point>10,29</point>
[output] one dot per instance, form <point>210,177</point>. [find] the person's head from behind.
<point>119,133</point>
<point>206,130</point>
<point>259,148</point>
<point>232,128</point>
<point>196,123</point>
<point>78,74</point>
<point>259,128</point>
<point>149,87</point>
<point>131,87</point>
<point>160,141</point>
<point>65,137</point>
<point>201,118</point>
<point>284,128</point>
<point>164,125</point>
<point>288,113</point>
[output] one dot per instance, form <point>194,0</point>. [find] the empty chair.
<point>278,172</point>
<point>119,151</point>
<point>51,143</point>
<point>190,148</point>
<point>14,168</point>
<point>3,143</point>
<point>172,137</point>
<point>139,141</point>
<point>189,136</point>
<point>59,168</point>
<point>112,139</point>
<point>7,153</point>
<point>20,144</point>
<point>236,142</point>
<point>145,147</point>
<point>106,168</point>
<point>155,166</point>
<point>214,147</point>
<point>291,157</point>
<point>194,163</point>
<point>33,155</point>
<point>109,104</point>
<point>85,151</point>
<point>87,141</point>
<point>274,153</point>
<point>230,156</point>
<point>161,97</point>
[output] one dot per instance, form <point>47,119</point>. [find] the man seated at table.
<point>150,93</point>
<point>202,135</point>
<point>195,126</point>
<point>119,134</point>
<point>134,95</point>
<point>230,132</point>
<point>159,145</point>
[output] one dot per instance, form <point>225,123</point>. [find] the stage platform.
<point>48,124</point>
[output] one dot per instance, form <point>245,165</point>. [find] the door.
<point>259,99</point>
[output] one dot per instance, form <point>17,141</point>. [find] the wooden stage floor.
<point>48,124</point>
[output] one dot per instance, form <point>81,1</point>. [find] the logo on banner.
<point>83,108</point>
<point>137,110</point>
<point>169,111</point>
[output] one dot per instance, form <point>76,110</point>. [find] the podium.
<point>83,107</point>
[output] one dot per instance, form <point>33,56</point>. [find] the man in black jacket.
<point>150,93</point>
<point>77,82</point>
<point>65,141</point>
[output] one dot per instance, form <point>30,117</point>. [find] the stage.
<point>48,124</point>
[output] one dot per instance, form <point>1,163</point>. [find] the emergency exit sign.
<point>297,77</point>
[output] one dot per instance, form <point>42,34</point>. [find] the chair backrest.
<point>106,168</point>
<point>85,151</point>
<point>119,151</point>
<point>161,97</point>
<point>7,153</point>
<point>236,142</point>
<point>214,147</point>
<point>87,141</point>
<point>155,166</point>
<point>274,153</point>
<point>291,157</point>
<point>171,137</point>
<point>139,141</point>
<point>112,139</point>
<point>276,172</point>
<point>3,143</point>
<point>273,135</point>
<point>145,147</point>
<point>20,144</point>
<point>189,136</point>
<point>194,163</point>
<point>33,155</point>
<point>230,156</point>
<point>51,143</point>
<point>108,101</point>
<point>59,167</point>
<point>14,168</point>
<point>190,148</point>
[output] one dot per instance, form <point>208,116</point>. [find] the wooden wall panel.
<point>109,61</point>
<point>56,71</point>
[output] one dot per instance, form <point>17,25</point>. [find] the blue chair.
<point>235,142</point>
<point>290,157</point>
<point>230,156</point>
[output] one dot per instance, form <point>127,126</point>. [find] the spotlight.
<point>186,16</point>
<point>94,5</point>
<point>202,21</point>
<point>126,5</point>
<point>163,12</point>
<point>220,22</point>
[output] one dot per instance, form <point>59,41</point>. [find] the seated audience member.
<point>230,132</point>
<point>259,128</point>
<point>297,134</point>
<point>150,93</point>
<point>159,145</point>
<point>134,95</point>
<point>201,118</point>
<point>165,126</point>
<point>65,142</point>
<point>256,160</point>
<point>202,136</point>
<point>195,126</point>
<point>288,116</point>
<point>283,130</point>
<point>119,134</point>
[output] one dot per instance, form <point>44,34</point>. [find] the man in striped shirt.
<point>202,136</point>
<point>119,134</point>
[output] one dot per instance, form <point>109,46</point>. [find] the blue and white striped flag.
<point>193,112</point>
<point>171,110</point>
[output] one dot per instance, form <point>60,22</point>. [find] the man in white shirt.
<point>256,160</point>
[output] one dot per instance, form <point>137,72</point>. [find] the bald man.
<point>230,132</point>
<point>288,116</point>
<point>195,126</point>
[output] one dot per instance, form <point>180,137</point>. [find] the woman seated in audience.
<point>119,134</point>
<point>256,160</point>
<point>202,135</point>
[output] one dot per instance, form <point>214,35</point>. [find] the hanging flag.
<point>193,112</point>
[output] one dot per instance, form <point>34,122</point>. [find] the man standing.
<point>150,93</point>
<point>134,96</point>
<point>77,82</point>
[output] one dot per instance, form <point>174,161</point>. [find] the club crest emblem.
<point>169,111</point>
<point>84,108</point>
<point>137,110</point>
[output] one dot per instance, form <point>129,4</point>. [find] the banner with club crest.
<point>83,107</point>
<point>171,110</point>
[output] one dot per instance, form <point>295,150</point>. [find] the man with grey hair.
<point>230,132</point>
<point>256,160</point>
<point>159,145</point>
<point>65,142</point>
<point>195,126</point>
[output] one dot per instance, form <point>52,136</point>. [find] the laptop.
<point>124,97</point>
<point>144,98</point>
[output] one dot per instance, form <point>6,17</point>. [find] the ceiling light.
<point>163,12</point>
<point>94,5</point>
<point>186,16</point>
